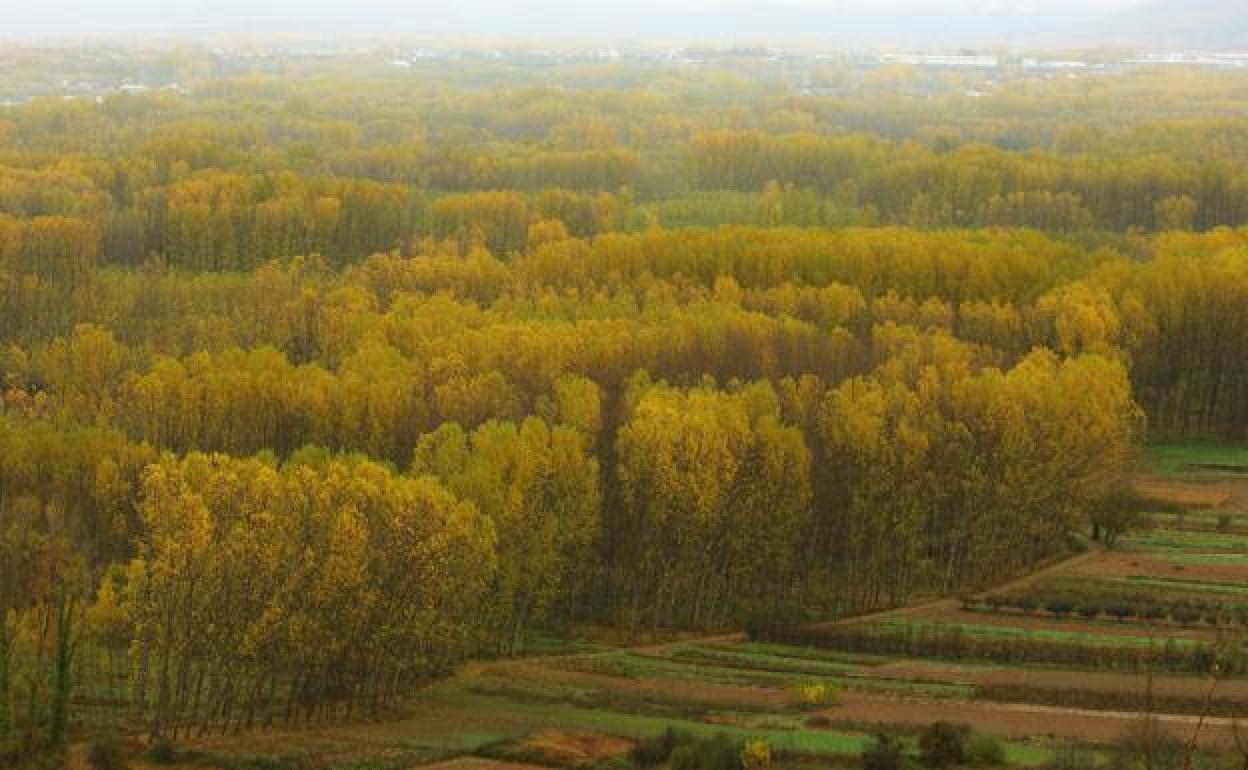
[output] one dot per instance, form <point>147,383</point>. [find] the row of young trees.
<point>261,589</point>
<point>349,168</point>
<point>664,429</point>
<point>366,359</point>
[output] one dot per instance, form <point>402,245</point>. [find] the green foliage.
<point>884,752</point>
<point>163,752</point>
<point>941,745</point>
<point>1073,757</point>
<point>982,750</point>
<point>719,752</point>
<point>106,753</point>
<point>813,695</point>
<point>1060,606</point>
<point>756,754</point>
<point>654,751</point>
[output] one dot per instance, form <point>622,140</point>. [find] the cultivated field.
<point>1030,676</point>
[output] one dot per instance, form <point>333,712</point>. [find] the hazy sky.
<point>604,18</point>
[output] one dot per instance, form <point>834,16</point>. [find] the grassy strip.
<point>631,665</point>
<point>755,661</point>
<point>1181,540</point>
<point>799,741</point>
<point>804,653</point>
<point>1191,586</point>
<point>1113,589</point>
<point>1232,559</point>
<point>1173,459</point>
<point>1063,637</point>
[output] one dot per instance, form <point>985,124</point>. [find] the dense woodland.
<point>315,386</point>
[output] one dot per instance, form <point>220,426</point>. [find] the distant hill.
<point>1205,24</point>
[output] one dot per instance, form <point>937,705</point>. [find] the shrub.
<point>1184,614</point>
<point>1151,612</point>
<point>1068,757</point>
<point>1026,604</point>
<point>718,753</point>
<point>819,722</point>
<point>1089,610</point>
<point>756,754</point>
<point>994,602</point>
<point>885,752</point>
<point>761,620</point>
<point>1225,520</point>
<point>105,753</point>
<point>1150,745</point>
<point>684,758</point>
<point>1060,606</point>
<point>810,695</point>
<point>651,752</point>
<point>1120,610</point>
<point>941,745</point>
<point>163,752</point>
<point>984,751</point>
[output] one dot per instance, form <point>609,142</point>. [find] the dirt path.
<point>945,603</point>
<point>658,648</point>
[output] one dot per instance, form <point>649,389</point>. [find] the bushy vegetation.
<point>1122,606</point>
<point>682,751</point>
<point>884,752</point>
<point>106,753</point>
<point>942,745</point>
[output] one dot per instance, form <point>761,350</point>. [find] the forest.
<point>316,386</point>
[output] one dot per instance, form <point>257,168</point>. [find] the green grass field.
<point>1233,559</point>
<point>1064,637</point>
<point>1186,586</point>
<point>784,735</point>
<point>754,674</point>
<point>1177,540</point>
<point>1175,459</point>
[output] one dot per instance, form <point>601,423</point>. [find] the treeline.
<point>262,590</point>
<point>973,186</point>
<point>403,344</point>
<point>348,168</point>
<point>227,218</point>
<point>669,430</point>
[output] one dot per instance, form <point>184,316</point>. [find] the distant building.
<point>1039,64</point>
<point>1224,60</point>
<point>943,61</point>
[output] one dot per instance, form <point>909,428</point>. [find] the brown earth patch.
<point>477,763</point>
<point>558,748</point>
<point>1017,722</point>
<point>1194,491</point>
<point>1127,564</point>
<point>673,691</point>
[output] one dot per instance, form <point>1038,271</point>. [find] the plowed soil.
<point>1015,721</point>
